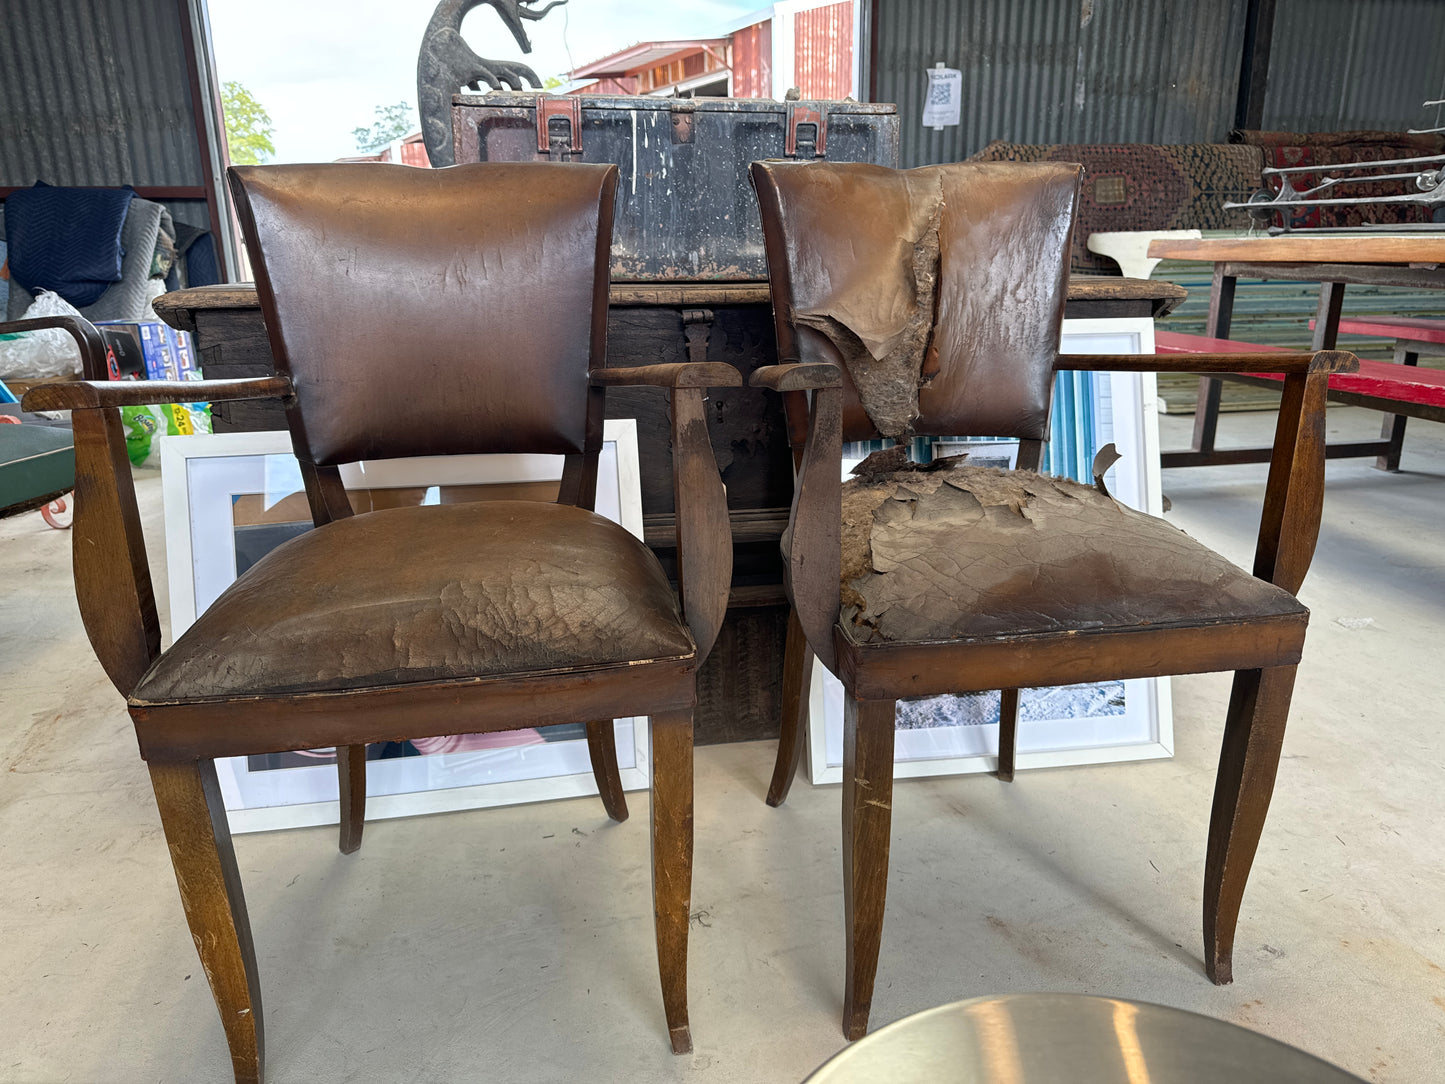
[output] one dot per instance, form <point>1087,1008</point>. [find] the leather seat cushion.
<point>970,552</point>
<point>428,594</point>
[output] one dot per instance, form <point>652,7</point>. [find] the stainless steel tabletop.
<point>1073,1038</point>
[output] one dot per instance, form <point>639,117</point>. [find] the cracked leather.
<point>986,243</point>
<point>471,590</point>
<point>966,552</point>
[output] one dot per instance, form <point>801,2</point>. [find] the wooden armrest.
<point>797,376</point>
<point>94,394</point>
<point>1325,361</point>
<point>1294,491</point>
<point>704,534</point>
<point>85,334</point>
<point>691,374</point>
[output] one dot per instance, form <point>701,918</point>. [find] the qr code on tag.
<point>940,92</point>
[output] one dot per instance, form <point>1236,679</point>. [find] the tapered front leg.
<point>602,748</point>
<point>867,818</point>
<point>672,864</point>
<point>1253,735</point>
<point>1008,733</point>
<point>194,820</point>
<point>351,780</point>
<point>797,677</point>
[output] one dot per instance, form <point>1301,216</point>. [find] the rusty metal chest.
<point>686,208</point>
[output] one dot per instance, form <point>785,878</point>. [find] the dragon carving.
<point>446,63</point>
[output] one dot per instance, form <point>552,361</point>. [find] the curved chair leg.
<point>1253,735</point>
<point>193,817</point>
<point>602,748</point>
<point>672,864</point>
<point>867,817</point>
<point>797,677</point>
<point>351,776</point>
<point>1008,733</point>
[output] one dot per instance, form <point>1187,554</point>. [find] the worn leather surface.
<point>429,312</point>
<point>939,290</point>
<point>965,552</point>
<point>428,594</point>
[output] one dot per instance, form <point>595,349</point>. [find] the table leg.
<point>1327,315</point>
<point>1206,406</point>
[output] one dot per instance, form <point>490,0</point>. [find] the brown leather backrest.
<point>950,280</point>
<point>432,312</point>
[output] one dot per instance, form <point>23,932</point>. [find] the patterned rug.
<point>1140,186</point>
<point>1286,149</point>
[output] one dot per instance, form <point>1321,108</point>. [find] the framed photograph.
<point>1077,724</point>
<point>230,498</point>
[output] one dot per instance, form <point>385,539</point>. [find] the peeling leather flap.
<point>882,325</point>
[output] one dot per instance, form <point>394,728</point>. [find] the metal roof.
<point>645,55</point>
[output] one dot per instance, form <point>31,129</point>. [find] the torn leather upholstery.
<point>966,552</point>
<point>471,590</point>
<point>984,243</point>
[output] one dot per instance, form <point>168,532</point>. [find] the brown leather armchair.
<point>414,312</point>
<point>930,301</point>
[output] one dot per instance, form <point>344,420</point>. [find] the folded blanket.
<point>67,239</point>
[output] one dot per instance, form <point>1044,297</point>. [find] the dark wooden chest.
<point>686,209</point>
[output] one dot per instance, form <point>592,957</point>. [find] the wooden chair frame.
<point>180,742</point>
<point>1263,654</point>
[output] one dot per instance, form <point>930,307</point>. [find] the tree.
<point>392,122</point>
<point>248,126</point>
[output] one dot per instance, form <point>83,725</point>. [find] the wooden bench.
<point>1413,335</point>
<point>1399,390</point>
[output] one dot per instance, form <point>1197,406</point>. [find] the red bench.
<point>1399,390</point>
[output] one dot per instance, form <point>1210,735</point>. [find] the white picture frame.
<point>204,474</point>
<point>1138,723</point>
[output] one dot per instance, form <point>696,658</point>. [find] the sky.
<point>321,67</point>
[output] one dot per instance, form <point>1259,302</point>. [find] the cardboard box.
<point>147,340</point>
<point>184,352</point>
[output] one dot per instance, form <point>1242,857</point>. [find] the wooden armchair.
<point>413,312</point>
<point>930,301</point>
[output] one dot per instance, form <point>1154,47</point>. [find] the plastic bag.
<point>143,423</point>
<point>39,355</point>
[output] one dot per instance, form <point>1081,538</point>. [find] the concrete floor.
<point>516,944</point>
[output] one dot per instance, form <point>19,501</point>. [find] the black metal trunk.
<point>686,209</point>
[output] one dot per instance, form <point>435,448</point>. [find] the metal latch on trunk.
<point>807,135</point>
<point>682,110</point>
<point>567,110</point>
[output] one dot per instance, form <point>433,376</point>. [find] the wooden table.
<point>1332,260</point>
<point>650,323</point>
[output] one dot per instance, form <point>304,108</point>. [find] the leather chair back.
<point>957,274</point>
<point>416,311</point>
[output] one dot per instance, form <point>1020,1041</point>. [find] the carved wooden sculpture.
<point>446,63</point>
<point>413,312</point>
<point>931,301</point>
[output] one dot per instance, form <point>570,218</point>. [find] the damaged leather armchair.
<point>930,301</point>
<point>414,313</point>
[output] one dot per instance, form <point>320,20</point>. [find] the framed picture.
<point>1077,724</point>
<point>230,498</point>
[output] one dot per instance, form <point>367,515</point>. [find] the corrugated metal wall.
<point>1063,71</point>
<point>1345,65</point>
<point>94,92</point>
<point>823,51</point>
<point>753,61</point>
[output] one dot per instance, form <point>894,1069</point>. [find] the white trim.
<point>784,52</point>
<point>717,75</point>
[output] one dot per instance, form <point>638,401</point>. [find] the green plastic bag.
<point>143,423</point>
